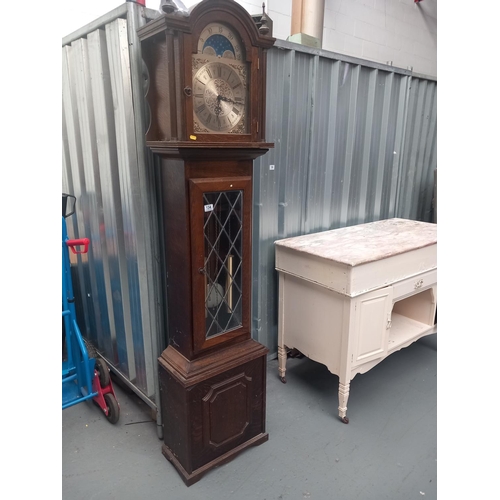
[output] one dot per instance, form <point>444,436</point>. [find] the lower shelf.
<point>404,330</point>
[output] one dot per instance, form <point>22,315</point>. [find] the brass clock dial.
<point>220,82</point>
<point>219,97</point>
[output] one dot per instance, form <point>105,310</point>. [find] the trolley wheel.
<point>113,408</point>
<point>103,372</point>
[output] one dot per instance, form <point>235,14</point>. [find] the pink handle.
<point>74,243</point>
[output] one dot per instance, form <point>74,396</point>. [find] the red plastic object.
<point>75,243</point>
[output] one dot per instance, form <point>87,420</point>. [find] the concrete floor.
<point>387,451</point>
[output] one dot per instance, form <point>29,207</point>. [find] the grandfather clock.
<point>205,73</point>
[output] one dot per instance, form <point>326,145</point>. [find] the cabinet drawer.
<point>414,284</point>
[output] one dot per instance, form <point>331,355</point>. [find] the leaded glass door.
<point>220,219</point>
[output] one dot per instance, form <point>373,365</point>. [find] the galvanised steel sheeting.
<point>106,166</point>
<point>420,159</point>
<point>355,141</point>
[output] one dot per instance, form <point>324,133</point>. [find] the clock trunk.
<point>212,375</point>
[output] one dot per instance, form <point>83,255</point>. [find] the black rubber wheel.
<point>113,408</point>
<point>102,369</point>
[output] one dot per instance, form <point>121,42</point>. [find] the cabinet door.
<point>220,214</point>
<point>372,322</point>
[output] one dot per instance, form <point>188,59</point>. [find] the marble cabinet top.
<point>355,245</point>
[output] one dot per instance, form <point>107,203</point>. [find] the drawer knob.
<point>419,284</point>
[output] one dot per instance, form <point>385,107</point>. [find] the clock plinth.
<point>215,406</point>
<point>205,93</point>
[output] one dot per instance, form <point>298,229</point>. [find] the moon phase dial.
<point>219,98</point>
<point>219,40</point>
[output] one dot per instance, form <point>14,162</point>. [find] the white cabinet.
<point>350,297</point>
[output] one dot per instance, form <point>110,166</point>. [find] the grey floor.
<point>387,451</point>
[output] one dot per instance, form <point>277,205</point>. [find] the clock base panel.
<point>212,409</point>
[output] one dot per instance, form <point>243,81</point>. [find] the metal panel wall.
<point>355,142</point>
<point>106,166</point>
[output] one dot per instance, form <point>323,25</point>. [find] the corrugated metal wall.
<point>354,142</point>
<point>106,166</point>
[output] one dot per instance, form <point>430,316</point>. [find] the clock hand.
<point>218,111</point>
<point>217,108</point>
<point>225,99</point>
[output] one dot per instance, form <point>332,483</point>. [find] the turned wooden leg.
<point>282,363</point>
<point>343,397</point>
<point>281,333</point>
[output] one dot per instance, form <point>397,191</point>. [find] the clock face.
<point>220,82</point>
<point>219,97</point>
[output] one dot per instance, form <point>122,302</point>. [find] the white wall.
<point>397,31</point>
<point>400,31</point>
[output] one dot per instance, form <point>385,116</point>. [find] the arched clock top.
<point>234,16</point>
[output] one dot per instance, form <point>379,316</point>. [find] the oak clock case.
<point>206,83</point>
